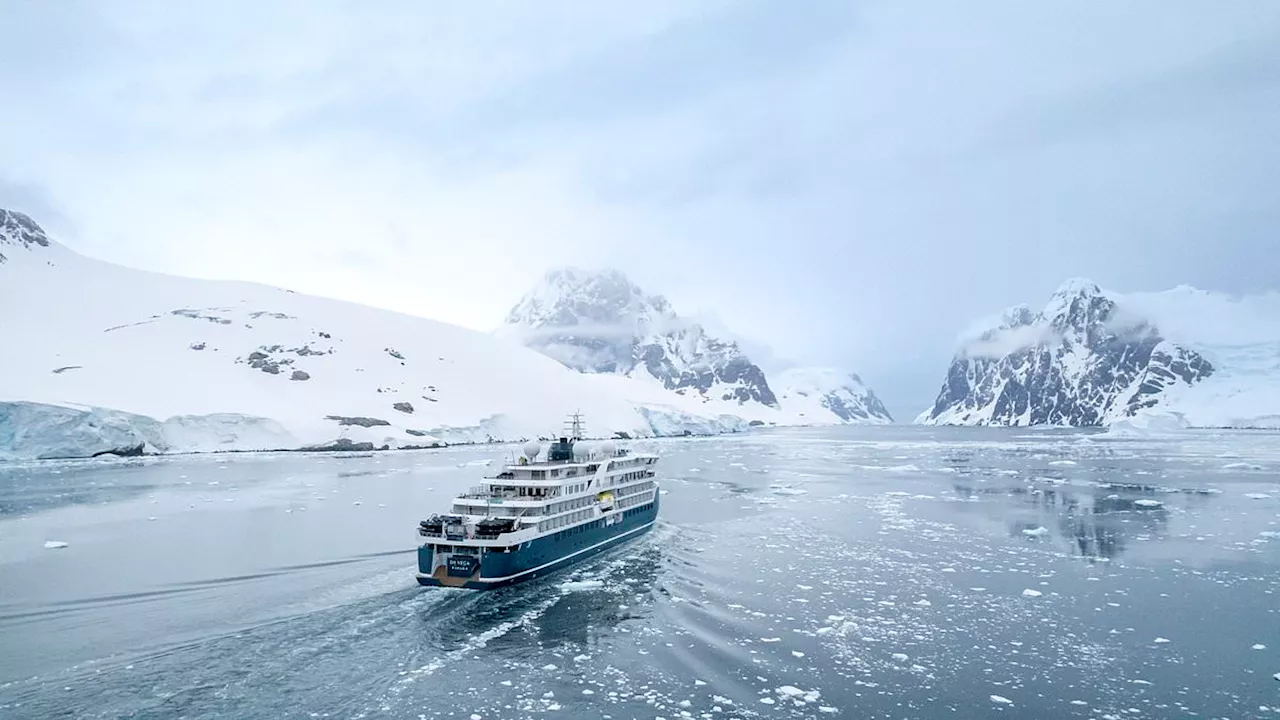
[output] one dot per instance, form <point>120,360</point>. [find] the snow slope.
<point>1239,336</point>
<point>602,323</point>
<point>98,357</point>
<point>1093,357</point>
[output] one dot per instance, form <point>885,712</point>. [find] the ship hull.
<point>542,556</point>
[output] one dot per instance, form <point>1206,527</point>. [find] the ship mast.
<point>574,428</point>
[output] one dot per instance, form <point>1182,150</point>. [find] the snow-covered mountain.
<point>102,358</point>
<point>815,391</point>
<point>1092,357</point>
<point>602,323</point>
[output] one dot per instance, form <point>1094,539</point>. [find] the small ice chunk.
<point>1241,466</point>
<point>767,700</point>
<point>1000,699</point>
<point>588,691</point>
<point>475,716</point>
<point>54,544</point>
<point>1031,593</point>
<point>1036,531</point>
<point>580,585</point>
<point>1257,496</point>
<point>770,639</point>
<point>790,691</point>
<point>549,666</point>
<point>1276,676</point>
<point>1259,646</point>
<point>1063,463</point>
<point>797,653</point>
<point>1161,640</point>
<point>900,657</point>
<point>1145,502</point>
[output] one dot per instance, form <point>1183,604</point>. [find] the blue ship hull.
<point>545,555</point>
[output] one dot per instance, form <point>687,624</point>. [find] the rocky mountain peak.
<point>573,296</point>
<point>1078,304</point>
<point>18,229</point>
<point>1082,360</point>
<point>601,322</point>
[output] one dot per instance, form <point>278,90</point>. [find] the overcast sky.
<point>851,183</point>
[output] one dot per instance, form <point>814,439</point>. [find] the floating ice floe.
<point>1001,700</point>
<point>580,585</point>
<point>54,544</point>
<point>796,693</point>
<point>1145,502</point>
<point>1063,463</point>
<point>1241,466</point>
<point>1259,646</point>
<point>1036,531</point>
<point>1161,641</point>
<point>1257,496</point>
<point>1031,593</point>
<point>787,490</point>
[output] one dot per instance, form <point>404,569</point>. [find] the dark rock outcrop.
<point>136,450</point>
<point>261,361</point>
<point>343,445</point>
<point>404,407</point>
<point>19,230</point>
<point>300,375</point>
<point>365,422</point>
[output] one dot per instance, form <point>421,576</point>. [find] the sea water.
<point>884,572</point>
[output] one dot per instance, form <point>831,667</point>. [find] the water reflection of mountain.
<point>1097,523</point>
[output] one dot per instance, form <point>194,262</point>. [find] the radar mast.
<point>574,428</point>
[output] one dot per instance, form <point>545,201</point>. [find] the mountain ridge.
<point>1091,357</point>
<point>598,321</point>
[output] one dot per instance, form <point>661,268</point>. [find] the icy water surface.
<point>854,573</point>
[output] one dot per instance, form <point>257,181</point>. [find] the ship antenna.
<point>574,426</point>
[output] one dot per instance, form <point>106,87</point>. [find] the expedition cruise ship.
<point>536,517</point>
